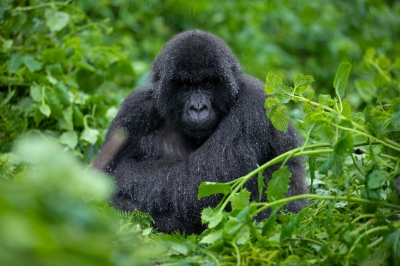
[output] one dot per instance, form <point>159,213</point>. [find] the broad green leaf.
<point>54,55</point>
<point>62,93</point>
<point>56,20</point>
<point>67,115</point>
<point>328,163</point>
<point>326,99</point>
<point>376,178</point>
<point>45,109</point>
<point>211,238</point>
<point>212,217</point>
<point>31,63</point>
<point>69,138</point>
<point>90,135</point>
<point>280,118</point>
<point>15,62</point>
<point>283,93</point>
<point>271,104</point>
<point>366,90</point>
<point>301,82</point>
<point>241,200</point>
<point>231,227</point>
<point>36,92</point>
<point>272,82</point>
<point>243,235</point>
<point>383,61</point>
<point>211,188</point>
<point>342,74</point>
<point>279,184</point>
<point>344,145</point>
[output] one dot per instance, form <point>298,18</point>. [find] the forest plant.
<point>353,163</point>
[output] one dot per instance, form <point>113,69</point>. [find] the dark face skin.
<point>198,118</point>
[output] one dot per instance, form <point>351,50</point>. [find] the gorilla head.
<point>196,80</point>
<point>201,119</point>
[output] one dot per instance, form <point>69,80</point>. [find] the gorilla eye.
<point>185,87</point>
<point>208,84</point>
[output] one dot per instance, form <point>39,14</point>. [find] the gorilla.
<point>201,119</point>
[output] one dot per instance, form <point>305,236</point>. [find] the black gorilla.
<point>201,119</point>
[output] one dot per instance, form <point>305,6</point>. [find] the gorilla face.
<point>198,117</point>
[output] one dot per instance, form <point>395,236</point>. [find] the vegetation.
<point>66,66</point>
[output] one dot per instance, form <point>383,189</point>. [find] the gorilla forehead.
<point>195,55</point>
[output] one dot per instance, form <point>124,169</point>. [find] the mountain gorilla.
<point>201,119</point>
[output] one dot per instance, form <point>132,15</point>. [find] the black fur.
<point>159,166</point>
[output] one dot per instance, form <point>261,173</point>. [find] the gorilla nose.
<point>198,110</point>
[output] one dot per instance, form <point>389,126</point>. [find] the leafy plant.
<point>53,61</point>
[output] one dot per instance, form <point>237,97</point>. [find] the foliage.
<point>62,75</point>
<point>285,36</point>
<point>48,79</point>
<point>53,213</point>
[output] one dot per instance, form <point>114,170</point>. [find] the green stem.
<point>264,206</point>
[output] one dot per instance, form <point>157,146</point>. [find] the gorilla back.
<point>201,119</point>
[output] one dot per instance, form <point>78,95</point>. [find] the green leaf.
<point>67,115</point>
<point>328,163</point>
<point>31,63</point>
<point>90,135</point>
<point>272,82</point>
<point>280,118</point>
<point>344,146</point>
<point>243,235</point>
<point>69,138</point>
<point>301,82</point>
<point>231,227</point>
<point>292,225</point>
<point>366,90</point>
<point>62,93</point>
<point>56,20</point>
<point>211,216</point>
<point>326,99</point>
<point>375,178</point>
<point>15,62</point>
<point>342,74</point>
<point>211,238</point>
<point>211,188</point>
<point>269,223</point>
<point>241,200</point>
<point>45,109</point>
<point>36,92</point>
<point>279,184</point>
<point>7,44</point>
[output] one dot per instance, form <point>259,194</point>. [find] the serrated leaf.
<point>36,93</point>
<point>280,118</point>
<point>31,63</point>
<point>69,138</point>
<point>272,81</point>
<point>279,184</point>
<point>56,20</point>
<point>211,188</point>
<point>301,82</point>
<point>342,74</point>
<point>90,135</point>
<point>45,109</point>
<point>240,200</point>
